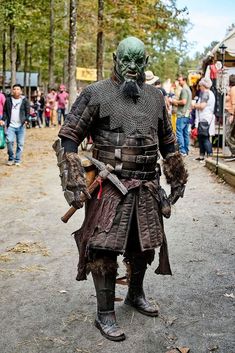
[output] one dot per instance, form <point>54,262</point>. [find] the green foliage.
<point>160,24</point>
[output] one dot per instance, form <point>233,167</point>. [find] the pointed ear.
<point>147,59</point>
<point>114,57</point>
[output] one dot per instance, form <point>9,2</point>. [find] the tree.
<point>160,24</point>
<point>100,41</point>
<point>51,46</point>
<point>72,51</point>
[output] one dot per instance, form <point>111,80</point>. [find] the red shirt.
<point>213,72</point>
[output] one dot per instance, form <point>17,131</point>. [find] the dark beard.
<point>131,89</point>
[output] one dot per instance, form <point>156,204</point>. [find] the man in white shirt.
<point>15,114</point>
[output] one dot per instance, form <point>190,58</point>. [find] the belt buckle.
<point>141,159</point>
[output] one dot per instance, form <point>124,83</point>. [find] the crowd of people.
<point>191,113</point>
<point>17,112</point>
<point>50,110</point>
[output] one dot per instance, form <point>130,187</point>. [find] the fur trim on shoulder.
<point>174,170</point>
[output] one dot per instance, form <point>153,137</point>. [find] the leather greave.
<point>104,273</point>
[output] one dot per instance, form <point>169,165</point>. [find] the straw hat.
<point>150,78</point>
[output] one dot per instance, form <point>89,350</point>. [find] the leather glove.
<point>75,196</point>
<point>76,183</point>
<point>176,193</point>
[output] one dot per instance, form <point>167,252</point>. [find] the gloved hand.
<point>74,195</point>
<point>76,183</point>
<point>176,193</point>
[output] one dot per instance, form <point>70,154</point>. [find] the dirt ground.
<point>44,310</point>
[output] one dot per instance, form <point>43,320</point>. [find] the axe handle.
<point>83,197</point>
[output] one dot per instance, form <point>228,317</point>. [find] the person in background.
<point>40,101</point>
<point>47,115</point>
<point>52,101</point>
<point>183,116</point>
<point>62,100</point>
<point>230,115</point>
<point>151,79</point>
<point>174,93</point>
<point>205,115</point>
<point>2,102</point>
<point>15,115</point>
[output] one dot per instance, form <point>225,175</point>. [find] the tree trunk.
<point>30,69</point>
<point>3,60</point>
<point>13,54</point>
<point>26,45</point>
<point>65,72</point>
<point>51,46</point>
<point>72,62</point>
<point>18,57</point>
<point>66,27</point>
<point>100,42</point>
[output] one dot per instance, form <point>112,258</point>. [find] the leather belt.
<point>130,150</point>
<point>118,155</point>
<point>131,174</point>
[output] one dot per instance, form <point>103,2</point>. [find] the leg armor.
<point>104,271</point>
<point>135,296</point>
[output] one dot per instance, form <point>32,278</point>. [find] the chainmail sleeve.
<point>166,135</point>
<point>77,124</point>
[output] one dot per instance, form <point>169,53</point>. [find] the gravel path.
<point>44,310</point>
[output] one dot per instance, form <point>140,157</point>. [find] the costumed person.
<point>127,121</point>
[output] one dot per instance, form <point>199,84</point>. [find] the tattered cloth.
<point>108,221</point>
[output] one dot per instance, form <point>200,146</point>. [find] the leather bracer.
<point>71,174</point>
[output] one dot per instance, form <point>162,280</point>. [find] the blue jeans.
<point>13,133</point>
<point>60,112</point>
<point>182,134</point>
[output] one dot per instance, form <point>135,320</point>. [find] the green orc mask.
<point>130,61</point>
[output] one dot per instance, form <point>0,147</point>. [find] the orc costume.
<point>128,123</point>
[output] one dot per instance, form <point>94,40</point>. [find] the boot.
<point>135,296</point>
<point>105,292</point>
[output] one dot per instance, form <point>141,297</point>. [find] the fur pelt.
<point>75,170</point>
<point>102,266</point>
<point>174,170</point>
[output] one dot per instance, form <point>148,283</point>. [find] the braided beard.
<point>130,89</point>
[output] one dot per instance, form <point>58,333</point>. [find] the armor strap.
<point>130,150</point>
<point>118,155</point>
<point>130,174</point>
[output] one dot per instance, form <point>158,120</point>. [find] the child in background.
<point>47,115</point>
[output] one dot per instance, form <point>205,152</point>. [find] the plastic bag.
<point>2,138</point>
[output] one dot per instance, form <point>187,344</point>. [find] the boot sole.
<point>111,338</point>
<point>143,312</point>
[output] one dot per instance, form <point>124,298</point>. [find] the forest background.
<point>36,36</point>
